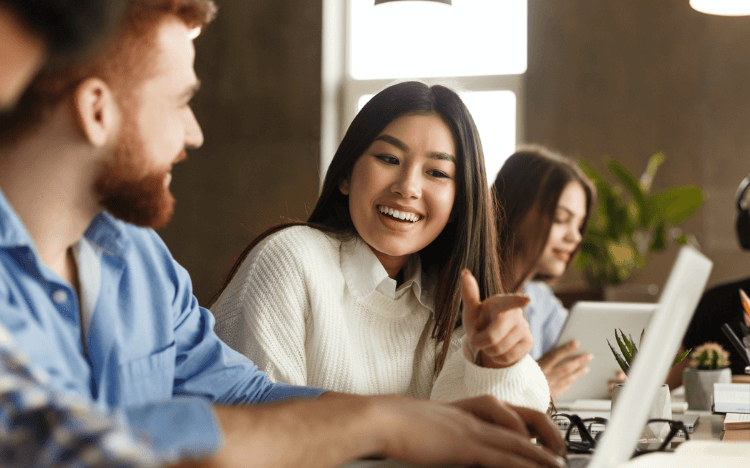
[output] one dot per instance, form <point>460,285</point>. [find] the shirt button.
<point>60,296</point>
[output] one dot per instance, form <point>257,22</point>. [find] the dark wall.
<point>628,79</point>
<point>259,107</point>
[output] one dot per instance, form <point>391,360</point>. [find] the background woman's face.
<point>402,188</point>
<point>565,234</point>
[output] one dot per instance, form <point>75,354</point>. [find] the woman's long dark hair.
<point>469,241</point>
<point>527,190</point>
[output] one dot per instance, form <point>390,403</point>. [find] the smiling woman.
<point>365,297</point>
<point>546,201</point>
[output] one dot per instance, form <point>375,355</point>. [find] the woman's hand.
<point>496,327</point>
<point>562,367</point>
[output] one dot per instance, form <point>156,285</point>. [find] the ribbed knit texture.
<point>291,309</point>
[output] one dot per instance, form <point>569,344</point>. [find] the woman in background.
<point>545,201</point>
<point>366,296</point>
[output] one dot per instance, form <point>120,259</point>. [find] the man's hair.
<point>70,27</point>
<point>123,62</point>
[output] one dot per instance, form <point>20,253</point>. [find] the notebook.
<point>732,398</point>
<point>651,365</point>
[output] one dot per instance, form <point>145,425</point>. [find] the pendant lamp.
<point>721,7</point>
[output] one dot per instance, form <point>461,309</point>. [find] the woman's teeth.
<point>404,216</point>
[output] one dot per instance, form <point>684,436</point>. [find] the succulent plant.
<point>709,356</point>
<point>629,350</point>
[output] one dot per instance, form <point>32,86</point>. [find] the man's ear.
<point>344,186</point>
<point>96,111</point>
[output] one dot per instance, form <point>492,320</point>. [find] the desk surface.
<point>710,427</point>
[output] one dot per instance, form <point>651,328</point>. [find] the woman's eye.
<point>387,159</point>
<point>436,173</point>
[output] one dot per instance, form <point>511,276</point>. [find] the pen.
<point>746,306</point>
<point>736,343</point>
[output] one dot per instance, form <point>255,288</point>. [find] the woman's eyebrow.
<point>404,147</point>
<point>392,140</point>
<point>442,156</point>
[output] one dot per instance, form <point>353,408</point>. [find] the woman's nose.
<point>408,184</point>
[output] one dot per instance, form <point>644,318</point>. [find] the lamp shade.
<point>378,2</point>
<point>722,7</point>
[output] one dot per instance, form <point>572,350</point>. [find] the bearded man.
<point>94,297</point>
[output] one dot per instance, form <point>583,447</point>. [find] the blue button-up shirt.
<point>138,342</point>
<point>546,316</point>
<point>42,428</point>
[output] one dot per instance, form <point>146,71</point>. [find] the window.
<point>477,47</point>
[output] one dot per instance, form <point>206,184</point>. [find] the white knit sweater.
<point>311,310</point>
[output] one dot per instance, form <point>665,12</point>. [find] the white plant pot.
<point>660,409</point>
<point>699,386</point>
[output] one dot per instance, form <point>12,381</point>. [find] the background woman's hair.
<point>468,241</point>
<point>527,190</point>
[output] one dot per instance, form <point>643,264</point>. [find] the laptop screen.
<point>651,365</point>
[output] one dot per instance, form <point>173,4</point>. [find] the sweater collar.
<point>364,274</point>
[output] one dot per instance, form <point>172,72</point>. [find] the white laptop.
<point>592,324</point>
<point>651,365</point>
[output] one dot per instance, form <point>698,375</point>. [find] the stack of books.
<point>737,427</point>
<point>734,400</point>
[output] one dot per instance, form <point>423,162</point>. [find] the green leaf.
<point>633,186</point>
<point>652,166</point>
<point>680,357</point>
<point>659,241</point>
<point>678,204</point>
<point>589,170</point>
<point>623,365</point>
<point>682,239</point>
<point>629,343</point>
<point>626,354</point>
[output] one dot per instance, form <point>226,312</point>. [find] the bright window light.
<point>429,39</point>
<point>494,113</point>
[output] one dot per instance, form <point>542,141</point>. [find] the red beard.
<point>128,194</point>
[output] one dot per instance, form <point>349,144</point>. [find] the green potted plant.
<point>662,407</point>
<point>709,364</point>
<point>629,222</point>
<point>629,349</point>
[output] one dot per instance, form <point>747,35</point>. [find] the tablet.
<point>592,324</point>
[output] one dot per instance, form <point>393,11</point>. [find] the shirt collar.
<point>364,273</point>
<point>104,231</point>
<point>13,233</point>
<point>108,233</point>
